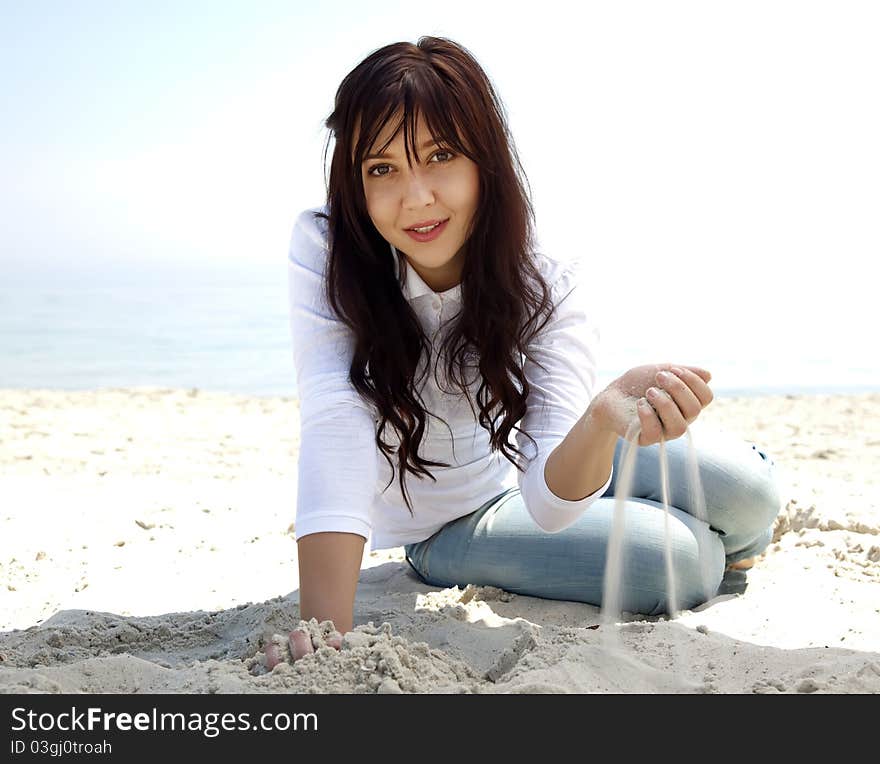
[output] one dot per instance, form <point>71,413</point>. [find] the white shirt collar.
<point>414,286</point>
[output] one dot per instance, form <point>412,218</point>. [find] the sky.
<point>715,164</point>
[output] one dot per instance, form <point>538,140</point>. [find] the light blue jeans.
<point>500,545</point>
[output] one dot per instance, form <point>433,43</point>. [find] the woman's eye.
<point>383,170</point>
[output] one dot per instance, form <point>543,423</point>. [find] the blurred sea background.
<point>230,332</point>
<point>715,165</point>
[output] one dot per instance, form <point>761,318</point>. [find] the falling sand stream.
<point>611,608</point>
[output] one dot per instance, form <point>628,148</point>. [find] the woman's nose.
<point>418,192</point>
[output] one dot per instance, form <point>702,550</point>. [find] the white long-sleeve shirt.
<point>341,472</point>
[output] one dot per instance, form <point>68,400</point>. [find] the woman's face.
<point>443,187</point>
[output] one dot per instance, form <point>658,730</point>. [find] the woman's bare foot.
<point>745,564</point>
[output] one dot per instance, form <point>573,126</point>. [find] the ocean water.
<point>224,338</point>
<point>236,338</point>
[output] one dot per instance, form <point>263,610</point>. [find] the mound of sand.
<point>148,549</point>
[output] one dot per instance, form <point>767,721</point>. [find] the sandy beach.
<point>146,545</point>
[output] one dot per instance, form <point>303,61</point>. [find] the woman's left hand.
<point>664,398</point>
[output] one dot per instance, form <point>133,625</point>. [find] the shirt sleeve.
<point>567,346</point>
<point>338,468</point>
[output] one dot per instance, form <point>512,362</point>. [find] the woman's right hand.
<point>682,392</point>
<point>300,643</point>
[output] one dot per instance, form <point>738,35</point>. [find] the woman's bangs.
<point>443,121</point>
<point>440,118</point>
<point>372,120</point>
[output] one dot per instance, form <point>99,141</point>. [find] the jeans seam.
<point>417,571</point>
<point>424,548</point>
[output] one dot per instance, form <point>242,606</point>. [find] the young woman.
<point>447,374</point>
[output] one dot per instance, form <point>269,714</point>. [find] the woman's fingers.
<point>697,370</point>
<point>674,424</point>
<point>300,644</point>
<point>272,656</point>
<point>685,398</point>
<point>649,422</point>
<point>696,383</point>
<point>334,640</point>
<point>668,399</point>
<point>679,396</point>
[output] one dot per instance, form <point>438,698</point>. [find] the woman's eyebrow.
<point>425,145</point>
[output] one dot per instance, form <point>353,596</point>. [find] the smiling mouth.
<point>427,228</point>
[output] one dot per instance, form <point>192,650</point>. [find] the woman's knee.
<point>738,482</point>
<point>696,559</point>
<point>749,509</point>
<point>694,582</point>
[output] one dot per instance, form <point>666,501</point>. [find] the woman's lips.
<point>430,235</point>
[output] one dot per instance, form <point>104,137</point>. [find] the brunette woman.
<point>447,374</point>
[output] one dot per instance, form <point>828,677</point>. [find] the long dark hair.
<point>503,294</point>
